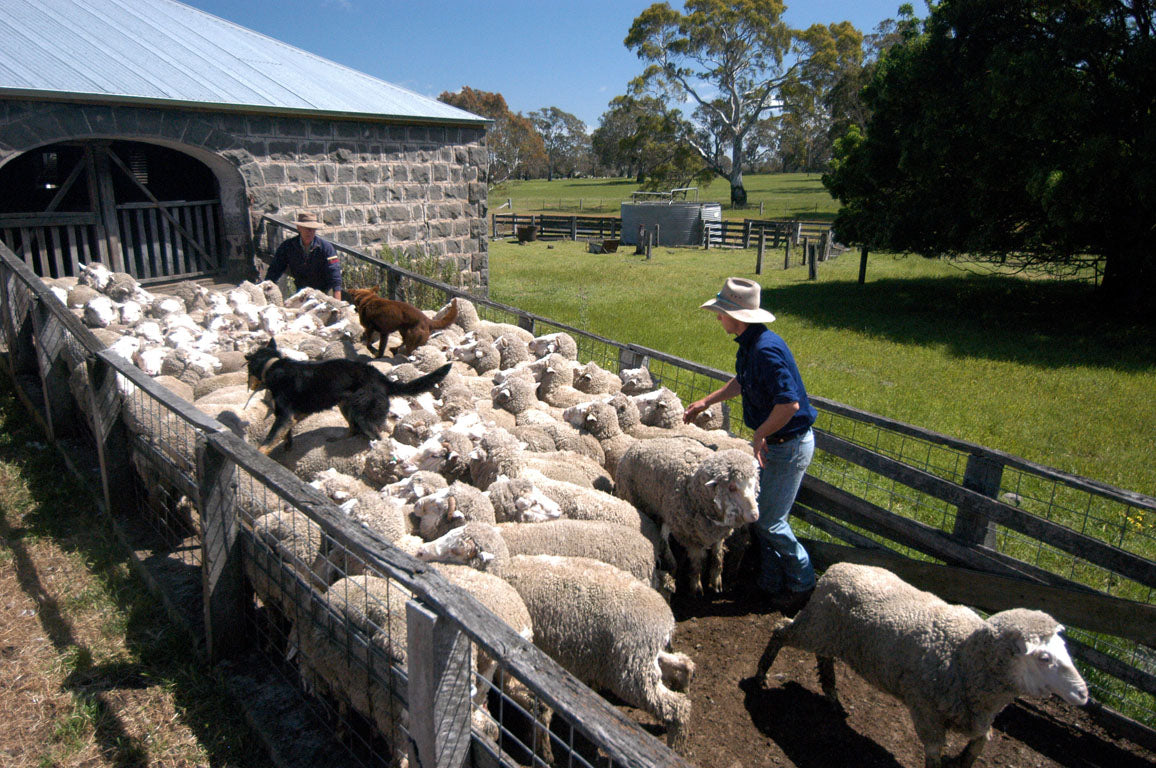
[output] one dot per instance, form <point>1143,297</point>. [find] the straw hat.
<point>309,221</point>
<point>739,298</point>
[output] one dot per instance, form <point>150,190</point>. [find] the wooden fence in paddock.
<point>978,526</point>
<point>722,234</point>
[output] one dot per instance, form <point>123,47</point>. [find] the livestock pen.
<point>977,526</point>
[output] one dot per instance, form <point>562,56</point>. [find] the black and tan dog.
<point>302,388</point>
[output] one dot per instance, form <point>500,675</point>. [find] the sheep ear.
<point>711,483</point>
<point>485,557</point>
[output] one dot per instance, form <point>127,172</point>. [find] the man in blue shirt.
<point>312,262</point>
<point>776,407</point>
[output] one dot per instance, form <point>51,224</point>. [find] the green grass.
<point>1033,368</point>
<point>782,195</point>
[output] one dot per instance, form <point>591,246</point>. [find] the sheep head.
<point>732,480</point>
<point>477,545</point>
<point>1041,664</point>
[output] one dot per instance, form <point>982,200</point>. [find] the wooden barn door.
<point>126,226</point>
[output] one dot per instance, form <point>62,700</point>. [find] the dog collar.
<point>266,366</point>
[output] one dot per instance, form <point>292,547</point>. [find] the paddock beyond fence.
<point>244,540</point>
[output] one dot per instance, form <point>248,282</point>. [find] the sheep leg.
<point>972,751</point>
<point>714,567</point>
<point>827,682</point>
<point>694,558</point>
<point>677,670</point>
<point>932,734</point>
<point>778,639</point>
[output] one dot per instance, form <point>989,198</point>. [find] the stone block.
<point>260,126</point>
<point>315,196</point>
<point>315,150</point>
<point>360,194</point>
<point>346,174</point>
<point>369,173</point>
<point>274,173</point>
<point>301,173</point>
<point>291,197</point>
<point>338,194</point>
<point>290,126</point>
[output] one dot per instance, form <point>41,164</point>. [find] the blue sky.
<point>536,53</point>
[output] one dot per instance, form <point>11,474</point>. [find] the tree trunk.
<point>738,192</point>
<point>1129,284</point>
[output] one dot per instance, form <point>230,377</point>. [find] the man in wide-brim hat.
<point>311,260</point>
<point>776,407</point>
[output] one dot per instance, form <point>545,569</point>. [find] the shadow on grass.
<point>65,512</point>
<point>1049,325</point>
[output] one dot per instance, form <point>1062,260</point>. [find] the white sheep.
<point>635,381</point>
<point>451,507</point>
<point>949,667</point>
<point>385,515</point>
<point>604,626</point>
<point>593,379</point>
<point>697,494</point>
<point>560,343</point>
<point>659,408</point>
<point>520,501</point>
<point>500,453</point>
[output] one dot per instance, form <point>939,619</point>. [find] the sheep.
<point>558,436</point>
<point>479,354</point>
<point>949,667</point>
<point>287,538</point>
<point>600,623</point>
<point>384,515</point>
<point>499,453</point>
<point>519,501</point>
<point>600,421</point>
<point>560,343</point>
<point>596,380</point>
<point>451,507</point>
<point>556,386</point>
<point>660,408</point>
<point>618,545</point>
<point>511,350</point>
<point>635,381</point>
<point>697,494</point>
<point>412,488</point>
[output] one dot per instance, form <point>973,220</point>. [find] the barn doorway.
<point>140,208</point>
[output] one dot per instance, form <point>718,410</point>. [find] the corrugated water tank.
<point>679,223</point>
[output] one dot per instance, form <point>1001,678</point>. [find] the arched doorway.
<point>140,208</point>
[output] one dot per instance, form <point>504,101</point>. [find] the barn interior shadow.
<point>993,317</point>
<point>813,735</point>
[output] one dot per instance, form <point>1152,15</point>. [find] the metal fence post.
<point>226,602</point>
<point>983,475</point>
<point>438,663</point>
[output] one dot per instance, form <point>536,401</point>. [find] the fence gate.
<point>126,226</point>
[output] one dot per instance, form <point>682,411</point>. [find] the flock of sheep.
<point>550,490</point>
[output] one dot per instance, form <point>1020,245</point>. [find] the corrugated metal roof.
<point>164,52</point>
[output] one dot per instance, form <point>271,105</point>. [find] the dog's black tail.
<point>420,384</point>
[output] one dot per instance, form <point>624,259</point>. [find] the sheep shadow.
<point>813,734</point>
<point>1060,741</point>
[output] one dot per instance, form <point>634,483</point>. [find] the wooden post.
<point>746,233</point>
<point>527,322</point>
<point>862,265</point>
<point>438,663</point>
<point>111,436</point>
<point>108,208</point>
<point>493,226</point>
<point>59,406</point>
<point>573,227</point>
<point>982,474</point>
<point>629,358</point>
<point>640,248</point>
<point>657,240</point>
<point>648,246</point>
<point>822,255</point>
<point>762,249</point>
<point>226,602</point>
<point>761,204</point>
<point>787,255</point>
<point>812,266</point>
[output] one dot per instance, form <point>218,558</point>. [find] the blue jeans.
<point>784,563</point>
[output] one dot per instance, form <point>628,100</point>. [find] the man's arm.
<point>776,420</point>
<point>725,392</point>
<point>278,264</point>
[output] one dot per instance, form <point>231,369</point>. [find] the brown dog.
<point>380,316</point>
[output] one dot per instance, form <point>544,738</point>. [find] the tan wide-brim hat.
<point>309,221</point>
<point>739,298</point>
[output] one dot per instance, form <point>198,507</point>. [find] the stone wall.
<point>416,188</point>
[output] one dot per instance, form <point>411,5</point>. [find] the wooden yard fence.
<point>975,525</point>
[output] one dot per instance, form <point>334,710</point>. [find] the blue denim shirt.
<point>767,373</point>
<point>320,269</point>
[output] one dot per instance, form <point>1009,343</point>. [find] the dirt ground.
<point>738,724</point>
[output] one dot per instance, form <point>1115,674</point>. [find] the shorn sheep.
<point>698,495</point>
<point>950,668</point>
